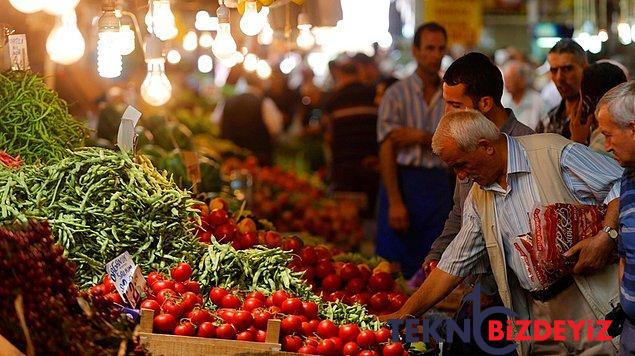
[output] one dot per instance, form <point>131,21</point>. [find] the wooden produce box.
<point>172,345</point>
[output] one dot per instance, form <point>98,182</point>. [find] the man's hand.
<point>408,136</point>
<point>580,132</point>
<point>593,253</point>
<point>398,217</point>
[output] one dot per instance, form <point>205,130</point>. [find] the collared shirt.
<point>590,177</point>
<point>403,105</point>
<point>556,121</point>
<point>530,110</point>
<point>626,242</point>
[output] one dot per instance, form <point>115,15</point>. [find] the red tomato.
<point>258,295</point>
<point>193,286</point>
<point>114,297</point>
<point>185,329</point>
<point>226,331</point>
<point>381,281</point>
<point>349,271</point>
<point>206,329</point>
<point>217,217</point>
<point>335,296</point>
<point>323,268</point>
<point>231,301</point>
<point>368,353</point>
<point>327,329</point>
<point>217,294</point>
<point>355,285</point>
<point>308,256</point>
<point>291,324</point>
<point>394,349</point>
<point>331,283</point>
<point>165,294</point>
<point>248,239</point>
<point>246,336</point>
<point>338,343</point>
<point>350,349</point>
<point>292,243</point>
<point>181,272</point>
<point>361,298</point>
<point>349,332</point>
<point>379,301</point>
<point>291,306</point>
<point>310,309</point>
<point>397,300</point>
<point>171,307</point>
<point>364,271</point>
<point>161,285</point>
<point>164,323</point>
<point>252,303</point>
<point>108,284</point>
<point>226,314</point>
<point>307,350</point>
<point>291,343</point>
<point>307,329</point>
<point>270,301</point>
<point>272,239</point>
<point>153,277</point>
<point>200,316</point>
<point>225,233</point>
<point>180,288</point>
<point>326,347</point>
<point>190,300</point>
<point>242,320</point>
<point>366,339</point>
<point>322,252</point>
<point>383,335</point>
<point>261,317</point>
<point>279,297</point>
<point>151,304</point>
<point>261,336</point>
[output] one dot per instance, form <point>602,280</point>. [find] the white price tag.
<point>18,52</point>
<point>126,133</point>
<point>127,278</point>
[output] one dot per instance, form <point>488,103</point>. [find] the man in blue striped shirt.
<point>616,117</point>
<point>415,196</point>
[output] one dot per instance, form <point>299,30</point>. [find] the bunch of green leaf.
<point>341,313</point>
<point>258,269</point>
<point>101,203</point>
<point>34,121</point>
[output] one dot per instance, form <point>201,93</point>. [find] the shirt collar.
<point>511,121</point>
<point>517,161</point>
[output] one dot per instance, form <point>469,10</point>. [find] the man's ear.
<point>486,145</point>
<point>485,104</point>
<point>631,126</point>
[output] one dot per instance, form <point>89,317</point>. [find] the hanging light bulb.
<point>28,6</point>
<point>305,38</point>
<point>251,62</point>
<point>127,40</point>
<point>265,37</point>
<point>190,41</point>
<point>603,35</point>
<point>173,56</point>
<point>224,45</point>
<point>59,7</point>
<point>263,70</point>
<point>205,64</point>
<point>251,22</point>
<point>109,64</point>
<point>163,22</point>
<point>65,44</point>
<point>290,61</point>
<point>624,33</point>
<point>206,40</point>
<point>156,89</point>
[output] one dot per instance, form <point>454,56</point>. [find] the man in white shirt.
<point>525,102</point>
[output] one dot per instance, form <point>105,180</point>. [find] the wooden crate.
<point>171,345</point>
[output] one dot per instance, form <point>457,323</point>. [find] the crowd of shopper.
<point>458,161</point>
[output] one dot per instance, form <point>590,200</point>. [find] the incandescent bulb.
<point>205,63</point>
<point>251,62</point>
<point>156,89</point>
<point>624,33</point>
<point>263,70</point>
<point>305,39</point>
<point>109,63</point>
<point>604,36</point>
<point>206,40</point>
<point>288,64</point>
<point>59,7</point>
<point>65,44</point>
<point>265,37</point>
<point>190,41</point>
<point>173,56</point>
<point>28,6</point>
<point>127,40</point>
<point>163,23</point>
<point>251,22</point>
<point>224,45</point>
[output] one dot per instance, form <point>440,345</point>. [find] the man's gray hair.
<point>524,70</point>
<point>466,128</point>
<point>620,103</point>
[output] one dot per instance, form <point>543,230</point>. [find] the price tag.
<point>126,133</point>
<point>190,159</point>
<point>127,278</point>
<point>18,52</point>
